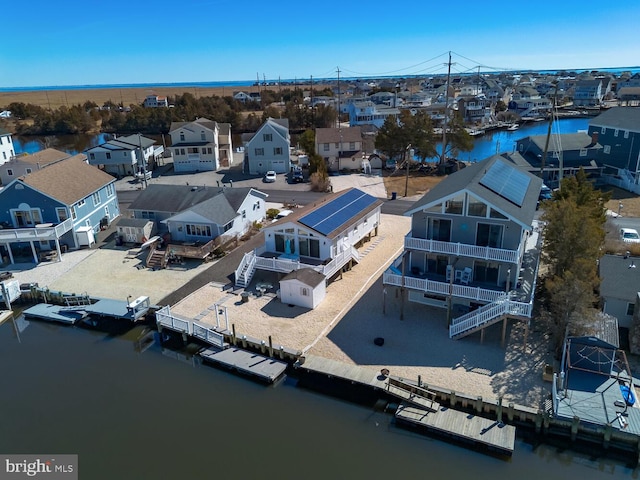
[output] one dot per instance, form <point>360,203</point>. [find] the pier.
<point>80,307</point>
<point>265,369</point>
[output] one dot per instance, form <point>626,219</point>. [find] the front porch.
<point>39,234</point>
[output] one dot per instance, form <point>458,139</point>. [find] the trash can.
<point>394,195</point>
<point>245,297</point>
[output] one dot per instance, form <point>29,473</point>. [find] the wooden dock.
<point>345,371</point>
<point>55,313</point>
<point>488,435</point>
<point>263,368</point>
<point>102,307</point>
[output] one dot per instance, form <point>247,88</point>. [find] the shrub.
<point>272,213</point>
<point>319,182</point>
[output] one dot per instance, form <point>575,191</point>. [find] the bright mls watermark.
<point>50,467</point>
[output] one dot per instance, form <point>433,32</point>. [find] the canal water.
<point>497,141</point>
<point>130,415</point>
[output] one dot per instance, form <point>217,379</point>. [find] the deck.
<point>103,307</point>
<point>486,434</point>
<point>266,369</point>
<point>353,373</point>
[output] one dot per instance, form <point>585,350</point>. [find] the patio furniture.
<point>466,276</point>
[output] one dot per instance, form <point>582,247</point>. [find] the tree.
<point>396,134</point>
<point>307,141</point>
<point>573,241</point>
<point>458,139</point>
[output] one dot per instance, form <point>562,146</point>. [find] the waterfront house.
<point>124,156</point>
<point>304,287</point>
<point>474,109</point>
<point>25,164</point>
<point>341,148</point>
<point>619,287</point>
<point>197,146</point>
<point>323,236</point>
<point>155,101</point>
<point>6,146</point>
<point>368,113</point>
<point>618,131</point>
<point>245,97</point>
<point>199,213</point>
<point>472,248</point>
<point>55,208</point>
<point>588,93</point>
<point>269,148</point>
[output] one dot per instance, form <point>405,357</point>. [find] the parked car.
<point>282,214</point>
<point>545,193</point>
<point>270,176</point>
<point>629,235</point>
<point>297,176</point>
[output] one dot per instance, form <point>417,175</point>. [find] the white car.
<point>629,235</point>
<point>270,176</point>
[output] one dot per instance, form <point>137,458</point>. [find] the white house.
<point>269,148</point>
<point>304,287</point>
<point>341,148</point>
<point>123,156</point>
<point>155,101</point>
<point>196,145</point>
<point>323,236</point>
<point>6,146</point>
<point>368,113</point>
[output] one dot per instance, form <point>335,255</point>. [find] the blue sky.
<point>86,42</point>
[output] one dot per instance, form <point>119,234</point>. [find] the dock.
<point>489,435</point>
<point>102,307</point>
<point>263,368</point>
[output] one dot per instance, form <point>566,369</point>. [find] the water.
<point>144,415</point>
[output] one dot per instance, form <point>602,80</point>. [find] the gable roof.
<point>625,118</point>
<point>619,279</point>
<point>44,157</point>
<point>308,276</point>
<point>334,135</point>
<point>568,141</point>
<point>470,178</point>
<point>69,180</point>
<point>178,198</point>
<point>200,122</point>
<point>128,143</point>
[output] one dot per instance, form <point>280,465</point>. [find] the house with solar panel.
<point>323,236</point>
<point>472,249</point>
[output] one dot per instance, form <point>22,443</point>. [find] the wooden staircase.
<point>157,259</point>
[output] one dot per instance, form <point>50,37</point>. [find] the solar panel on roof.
<point>506,181</point>
<point>338,211</point>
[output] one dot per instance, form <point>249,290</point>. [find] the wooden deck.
<point>489,435</point>
<point>103,307</point>
<point>266,369</point>
<point>332,368</point>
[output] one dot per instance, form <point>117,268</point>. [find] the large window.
<point>486,272</point>
<point>439,229</point>
<point>489,235</point>
<point>259,151</point>
<point>199,230</point>
<point>437,264</point>
<point>109,189</point>
<point>455,205</point>
<point>62,214</point>
<point>309,247</point>
<point>477,208</point>
<point>96,199</point>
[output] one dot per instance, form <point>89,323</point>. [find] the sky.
<point>95,42</point>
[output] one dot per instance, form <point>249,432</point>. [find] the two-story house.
<point>588,93</point>
<point>25,164</point>
<point>123,156</point>
<point>368,113</point>
<point>6,146</point>
<point>618,131</point>
<point>474,109</point>
<point>471,247</point>
<point>323,236</point>
<point>341,148</point>
<point>155,101</point>
<point>195,146</point>
<point>269,148</point>
<point>61,206</point>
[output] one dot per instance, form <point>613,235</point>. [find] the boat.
<point>513,127</point>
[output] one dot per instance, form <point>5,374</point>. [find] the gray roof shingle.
<point>625,118</point>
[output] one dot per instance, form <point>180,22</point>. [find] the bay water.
<point>131,415</point>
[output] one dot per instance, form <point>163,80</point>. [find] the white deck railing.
<point>165,318</point>
<point>461,249</point>
<point>487,313</point>
<point>36,233</point>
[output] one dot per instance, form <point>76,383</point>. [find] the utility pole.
<point>339,100</point>
<point>546,143</point>
<point>313,110</point>
<point>144,166</point>
<point>443,157</point>
<point>406,161</point>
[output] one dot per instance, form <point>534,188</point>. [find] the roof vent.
<point>193,189</point>
<point>633,265</point>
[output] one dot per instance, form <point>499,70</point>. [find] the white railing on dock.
<point>461,249</point>
<point>165,318</point>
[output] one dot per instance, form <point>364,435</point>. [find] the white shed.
<point>304,288</point>
<point>135,230</point>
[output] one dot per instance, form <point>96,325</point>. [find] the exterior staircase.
<point>157,259</point>
<point>488,315</point>
<point>245,271</point>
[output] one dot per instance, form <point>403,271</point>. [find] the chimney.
<point>594,139</point>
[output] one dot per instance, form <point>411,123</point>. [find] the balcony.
<point>42,232</point>
<point>461,249</point>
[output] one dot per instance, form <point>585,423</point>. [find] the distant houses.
<point>155,101</point>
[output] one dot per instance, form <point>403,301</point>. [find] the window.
<point>244,214</point>
<point>489,235</point>
<point>607,149</point>
<point>74,215</point>
<point>497,214</point>
<point>337,145</point>
<point>277,151</point>
<point>9,171</point>
<point>108,155</point>
<point>62,214</point>
<point>352,145</point>
<point>486,272</point>
<point>199,230</point>
<point>110,189</point>
<point>267,137</point>
<point>454,205</point>
<point>626,134</point>
<point>476,208</point>
<point>4,155</point>
<point>96,199</point>
<point>209,151</point>
<point>182,136</point>
<point>304,291</point>
<point>603,130</point>
<point>149,215</point>
<point>583,152</point>
<point>615,132</point>
<point>192,150</point>
<point>631,308</point>
<point>228,226</point>
<point>309,247</point>
<point>259,151</point>
<point>439,229</point>
<point>325,147</point>
<point>81,203</point>
<point>92,156</point>
<point>202,136</point>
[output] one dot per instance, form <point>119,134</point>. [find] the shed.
<point>135,230</point>
<point>304,288</point>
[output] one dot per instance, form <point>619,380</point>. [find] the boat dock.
<point>265,369</point>
<point>419,408</point>
<point>102,307</point>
